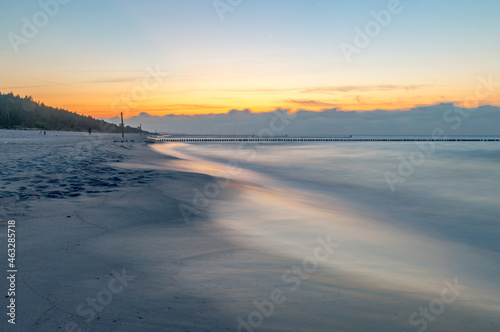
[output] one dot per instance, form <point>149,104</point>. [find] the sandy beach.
<point>83,221</point>
<point>102,245</point>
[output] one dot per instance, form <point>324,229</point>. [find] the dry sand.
<point>73,206</point>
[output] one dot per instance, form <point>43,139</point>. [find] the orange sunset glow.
<point>135,60</point>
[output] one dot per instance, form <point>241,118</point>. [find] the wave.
<point>441,223</point>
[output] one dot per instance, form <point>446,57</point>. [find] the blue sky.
<point>263,55</point>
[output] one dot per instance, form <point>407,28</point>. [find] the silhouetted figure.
<point>44,132</point>
<point>90,130</point>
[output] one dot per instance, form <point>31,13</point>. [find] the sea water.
<point>403,214</point>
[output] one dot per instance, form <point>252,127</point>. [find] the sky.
<point>192,57</point>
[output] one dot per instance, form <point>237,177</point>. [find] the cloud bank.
<point>454,120</point>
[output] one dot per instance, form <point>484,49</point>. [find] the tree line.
<point>20,113</point>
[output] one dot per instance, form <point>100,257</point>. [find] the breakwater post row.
<point>189,139</point>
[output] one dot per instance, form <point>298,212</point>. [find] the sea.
<point>403,216</point>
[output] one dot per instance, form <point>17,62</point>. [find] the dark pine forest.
<point>20,113</point>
